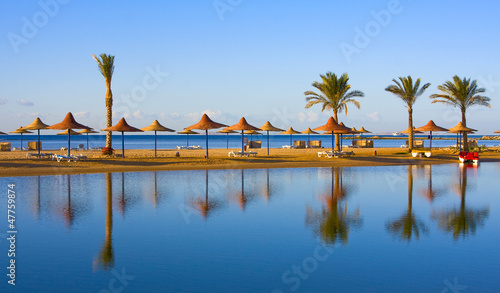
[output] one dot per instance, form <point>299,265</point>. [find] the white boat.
<point>397,134</point>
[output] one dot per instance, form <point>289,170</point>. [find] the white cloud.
<point>308,117</point>
<point>4,101</point>
<point>82,114</point>
<point>373,116</point>
<point>25,103</point>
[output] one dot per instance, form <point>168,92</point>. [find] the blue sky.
<point>232,58</point>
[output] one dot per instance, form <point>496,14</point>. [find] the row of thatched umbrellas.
<point>331,127</point>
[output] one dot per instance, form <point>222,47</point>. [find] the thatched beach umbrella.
<point>187,132</point>
<point>354,132</point>
<point>252,132</point>
<point>242,125</point>
<point>333,127</point>
<point>3,133</point>
<point>290,131</point>
<point>206,124</point>
<point>68,123</point>
<point>363,130</point>
<point>156,126</point>
<point>459,129</point>
<point>407,130</point>
<point>498,131</point>
<point>431,126</point>
<point>122,126</point>
<point>71,132</point>
<point>37,125</point>
<point>347,131</point>
<point>227,132</point>
<point>269,127</point>
<point>21,131</point>
<point>87,131</point>
<point>309,131</point>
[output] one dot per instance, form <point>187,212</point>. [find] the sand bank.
<point>16,164</point>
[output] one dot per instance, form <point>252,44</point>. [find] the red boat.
<point>468,157</point>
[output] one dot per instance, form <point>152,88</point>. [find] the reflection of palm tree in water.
<point>430,194</point>
<point>333,223</point>
<point>37,205</point>
<point>106,255</point>
<point>464,221</point>
<point>408,225</point>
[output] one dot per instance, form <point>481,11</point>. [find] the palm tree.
<point>461,93</point>
<point>334,95</point>
<point>408,93</point>
<point>107,67</point>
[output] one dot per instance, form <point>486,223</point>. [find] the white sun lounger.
<point>241,154</point>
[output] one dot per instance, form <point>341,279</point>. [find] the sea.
<point>171,141</point>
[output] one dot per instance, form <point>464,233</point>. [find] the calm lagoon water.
<point>365,229</point>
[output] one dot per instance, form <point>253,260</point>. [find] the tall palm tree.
<point>107,67</point>
<point>334,94</point>
<point>408,92</point>
<point>461,93</point>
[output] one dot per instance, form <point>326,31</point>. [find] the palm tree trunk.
<point>337,136</point>
<point>410,127</point>
<point>109,113</point>
<point>465,144</point>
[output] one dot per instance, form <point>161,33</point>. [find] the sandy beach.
<point>15,163</point>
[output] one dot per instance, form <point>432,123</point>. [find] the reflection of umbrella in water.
<point>290,131</point>
<point>227,132</point>
<point>430,194</point>
<point>87,131</point>
<point>187,132</point>
<point>206,124</point>
<point>459,129</point>
<point>156,126</point>
<point>242,125</point>
<point>431,126</point>
<point>408,225</point>
<point>21,131</point>
<point>309,131</point>
<point>68,123</point>
<point>464,221</point>
<point>122,126</point>
<point>106,258</point>
<point>269,127</point>
<point>204,206</point>
<point>37,125</point>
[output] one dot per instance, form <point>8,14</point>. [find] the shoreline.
<point>15,164</point>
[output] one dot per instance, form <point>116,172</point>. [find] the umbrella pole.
<point>268,142</point>
<point>187,143</point>
<point>87,141</point>
<point>206,136</point>
<point>123,145</point>
<point>341,141</point>
<point>227,140</point>
<point>290,139</point>
<point>430,143</point>
<point>155,143</point>
<point>333,142</point>
<point>39,142</point>
<point>69,142</point>
<point>21,141</point>
<point>242,136</point>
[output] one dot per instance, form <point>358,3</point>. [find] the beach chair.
<point>81,157</point>
<point>59,158</point>
<point>346,154</point>
<point>288,147</point>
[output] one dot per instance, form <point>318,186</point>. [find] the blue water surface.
<point>363,229</point>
